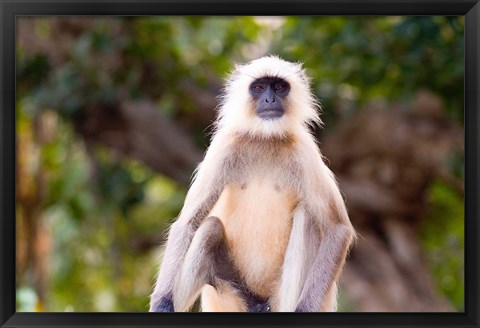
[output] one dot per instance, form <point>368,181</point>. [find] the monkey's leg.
<point>209,261</point>
<point>205,253</point>
<point>230,289</point>
<point>199,265</point>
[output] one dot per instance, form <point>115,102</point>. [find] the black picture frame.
<point>10,9</point>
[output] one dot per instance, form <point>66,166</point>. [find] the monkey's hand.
<point>165,305</point>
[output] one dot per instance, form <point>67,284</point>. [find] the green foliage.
<point>384,58</point>
<point>32,70</point>
<point>97,264</point>
<point>443,238</point>
<point>117,185</point>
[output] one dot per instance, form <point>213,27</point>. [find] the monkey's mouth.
<point>271,113</point>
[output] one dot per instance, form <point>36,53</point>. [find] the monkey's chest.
<point>258,218</point>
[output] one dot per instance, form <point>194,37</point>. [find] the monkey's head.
<point>268,97</point>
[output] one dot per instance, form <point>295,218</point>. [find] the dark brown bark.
<point>385,161</point>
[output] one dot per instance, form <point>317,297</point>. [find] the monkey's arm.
<point>319,240</point>
<point>326,268</point>
<point>325,208</point>
<point>200,199</point>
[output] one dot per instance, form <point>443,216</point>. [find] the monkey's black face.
<point>269,94</point>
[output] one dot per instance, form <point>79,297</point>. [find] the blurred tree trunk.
<point>139,131</point>
<point>385,159</point>
<point>31,180</point>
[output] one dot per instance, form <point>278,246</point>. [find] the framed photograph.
<point>338,182</point>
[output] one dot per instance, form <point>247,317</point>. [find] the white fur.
<point>236,114</point>
<point>294,272</point>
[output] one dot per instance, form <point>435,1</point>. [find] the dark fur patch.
<point>223,268</point>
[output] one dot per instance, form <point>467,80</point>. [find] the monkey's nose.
<point>271,100</point>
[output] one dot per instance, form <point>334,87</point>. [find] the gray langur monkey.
<point>264,226</point>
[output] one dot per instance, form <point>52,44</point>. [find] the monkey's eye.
<point>280,87</point>
<point>257,88</point>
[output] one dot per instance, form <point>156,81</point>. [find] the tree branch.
<point>140,131</point>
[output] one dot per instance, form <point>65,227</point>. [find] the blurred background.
<point>113,114</point>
